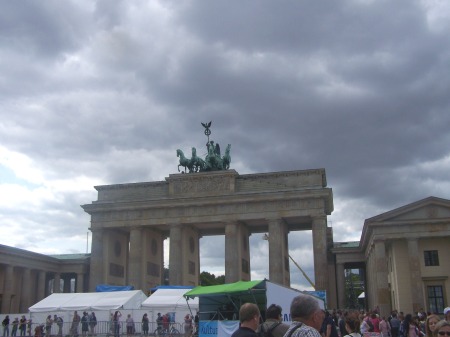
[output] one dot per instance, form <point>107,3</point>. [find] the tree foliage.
<point>208,279</point>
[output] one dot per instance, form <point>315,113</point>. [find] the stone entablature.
<point>212,196</point>
<point>213,183</point>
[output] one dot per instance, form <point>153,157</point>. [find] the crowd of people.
<point>309,320</point>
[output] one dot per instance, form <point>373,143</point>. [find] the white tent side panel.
<point>171,301</point>
<point>283,296</point>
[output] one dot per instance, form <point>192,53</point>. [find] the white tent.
<point>102,303</point>
<point>131,299</point>
<point>171,301</point>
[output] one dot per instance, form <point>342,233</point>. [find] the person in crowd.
<point>145,322</point>
<point>364,325</point>
<point>59,323</point>
<point>385,327</point>
<point>5,325</point>
<point>187,325</point>
<point>373,318</point>
<point>341,324</point>
<point>328,328</point>
<point>85,324</point>
<point>442,329</point>
<point>29,324</point>
<point>274,322</point>
<point>410,327</point>
<point>39,330</point>
<point>430,325</point>
<point>307,317</point>
<point>75,322</point>
<point>48,326</point>
<point>116,323</point>
<point>130,325</point>
<point>352,324</point>
<point>447,314</point>
<point>249,320</point>
<point>395,324</point>
<point>92,323</point>
<point>23,325</point>
<point>196,320</point>
<point>159,323</point>
<point>335,317</point>
<point>15,326</point>
<point>165,322</point>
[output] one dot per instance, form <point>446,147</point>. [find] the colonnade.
<point>135,256</point>
<point>27,277</point>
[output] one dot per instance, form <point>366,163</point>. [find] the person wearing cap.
<point>447,314</point>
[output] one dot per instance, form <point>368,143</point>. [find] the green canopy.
<point>223,289</point>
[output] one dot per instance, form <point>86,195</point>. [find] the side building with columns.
<point>27,277</point>
<point>404,254</point>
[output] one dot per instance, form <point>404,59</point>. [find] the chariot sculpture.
<point>213,160</point>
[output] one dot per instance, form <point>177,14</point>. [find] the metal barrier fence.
<point>105,328</point>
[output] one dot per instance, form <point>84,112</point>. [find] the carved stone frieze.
<point>201,185</point>
<point>210,210</point>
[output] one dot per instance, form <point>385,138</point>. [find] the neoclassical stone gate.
<point>129,223</point>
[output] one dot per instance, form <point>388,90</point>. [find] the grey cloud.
<point>110,91</point>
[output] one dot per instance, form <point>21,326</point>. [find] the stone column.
<point>26,290</point>
<point>175,256</point>
<point>319,233</point>
<point>135,258</point>
<point>237,253</point>
<point>340,280</point>
<point>418,300</point>
<point>41,285</point>
<point>278,252</point>
<point>57,283</point>
<point>80,283</point>
<point>8,283</point>
<point>152,258</point>
<point>382,294</point>
<point>96,274</point>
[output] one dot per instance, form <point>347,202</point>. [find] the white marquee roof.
<point>131,299</point>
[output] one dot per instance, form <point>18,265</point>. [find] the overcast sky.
<point>104,92</point>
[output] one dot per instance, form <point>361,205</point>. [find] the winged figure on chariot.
<point>213,160</point>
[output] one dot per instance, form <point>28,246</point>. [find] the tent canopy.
<point>171,301</point>
<point>168,298</point>
<point>223,301</point>
<point>224,289</point>
<point>90,301</point>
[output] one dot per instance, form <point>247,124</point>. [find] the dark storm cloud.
<point>98,93</point>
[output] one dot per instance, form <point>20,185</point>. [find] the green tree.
<point>208,279</point>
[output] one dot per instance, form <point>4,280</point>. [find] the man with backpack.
<point>273,326</point>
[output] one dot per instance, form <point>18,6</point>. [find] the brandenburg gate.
<point>129,223</point>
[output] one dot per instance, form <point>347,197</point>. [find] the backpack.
<point>267,333</point>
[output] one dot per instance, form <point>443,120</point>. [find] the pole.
<point>304,274</point>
